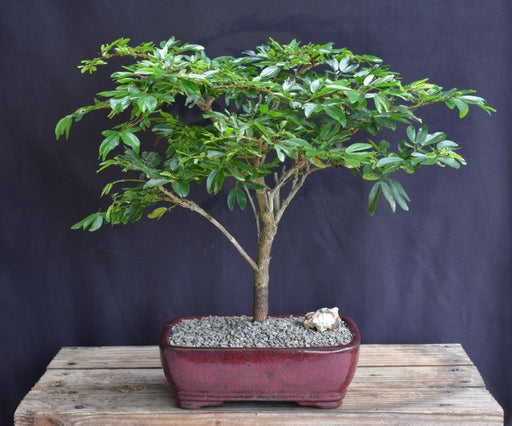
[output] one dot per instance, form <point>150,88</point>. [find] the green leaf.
<point>190,88</point>
<point>476,100</point>
<point>245,167</point>
<point>214,181</point>
<point>344,62</point>
<point>336,113</point>
<point>419,82</point>
<point>96,224</point>
<point>94,221</point>
<point>411,133</point>
<point>447,144</point>
<point>371,58</point>
<point>450,103</point>
<point>119,104</point>
<point>462,106</point>
<point>106,189</point>
<point>241,198</point>
<point>368,79</point>
<point>434,138</point>
<point>84,223</point>
<point>381,103</point>
<point>355,97</point>
<point>166,97</point>
<point>418,157</point>
<point>421,136</point>
<point>261,128</point>
<point>210,179</point>
<point>315,85</point>
<point>297,141</point>
<point>388,194</point>
<point>147,103</point>
<point>231,199</point>
<point>173,163</point>
<point>399,194</point>
<point>155,182</point>
<point>235,172</point>
<point>270,71</point>
<point>449,162</point>
<point>63,126</point>
<point>279,153</point>
<point>158,213</point>
<point>343,85</point>
<point>399,188</point>
<point>309,108</point>
<point>190,46</point>
<point>389,160</point>
<point>131,140</point>
<point>181,188</point>
<point>356,147</point>
<point>370,176</point>
<point>108,144</point>
<point>373,197</point>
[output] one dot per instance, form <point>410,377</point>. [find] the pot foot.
<point>191,404</point>
<point>321,404</point>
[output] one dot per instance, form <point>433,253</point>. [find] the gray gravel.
<point>242,332</point>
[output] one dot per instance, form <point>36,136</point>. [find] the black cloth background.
<point>439,273</point>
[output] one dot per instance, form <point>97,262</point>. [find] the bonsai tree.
<point>271,118</point>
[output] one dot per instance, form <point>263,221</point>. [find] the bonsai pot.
<point>207,376</point>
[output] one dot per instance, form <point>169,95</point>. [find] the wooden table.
<point>394,384</point>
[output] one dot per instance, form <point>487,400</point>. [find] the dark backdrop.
<point>439,273</point>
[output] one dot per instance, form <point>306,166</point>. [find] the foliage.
<point>304,107</point>
<point>271,117</point>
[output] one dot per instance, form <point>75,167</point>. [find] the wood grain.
<point>149,356</point>
<point>395,377</point>
<point>394,384</point>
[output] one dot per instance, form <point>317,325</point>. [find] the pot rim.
<point>164,340</point>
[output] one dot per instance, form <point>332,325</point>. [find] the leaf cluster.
<point>272,115</point>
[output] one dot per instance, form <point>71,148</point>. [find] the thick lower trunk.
<point>260,308</point>
<point>261,275</point>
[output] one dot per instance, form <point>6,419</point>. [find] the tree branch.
<point>295,188</point>
<point>188,204</point>
<point>307,67</point>
<point>276,193</point>
<point>285,178</point>
<point>256,215</point>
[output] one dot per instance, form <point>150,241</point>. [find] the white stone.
<point>323,319</point>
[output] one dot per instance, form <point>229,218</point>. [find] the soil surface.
<point>242,332</point>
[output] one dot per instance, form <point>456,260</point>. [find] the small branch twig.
<point>256,215</point>
<point>188,204</point>
<point>297,184</point>
<point>276,192</point>
<point>305,68</point>
<point>205,104</point>
<point>285,178</point>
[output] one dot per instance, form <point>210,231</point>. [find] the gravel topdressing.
<point>242,332</point>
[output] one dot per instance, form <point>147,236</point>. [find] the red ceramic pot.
<point>315,377</point>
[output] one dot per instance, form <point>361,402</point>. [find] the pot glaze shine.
<point>308,376</point>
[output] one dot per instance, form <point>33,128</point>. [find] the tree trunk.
<point>261,275</point>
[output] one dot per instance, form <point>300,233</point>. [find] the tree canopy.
<point>272,116</point>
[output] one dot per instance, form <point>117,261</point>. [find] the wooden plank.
<point>149,356</point>
<point>419,355</point>
<point>394,384</point>
<point>246,419</point>
<point>107,357</point>
<point>433,405</point>
<point>375,377</point>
